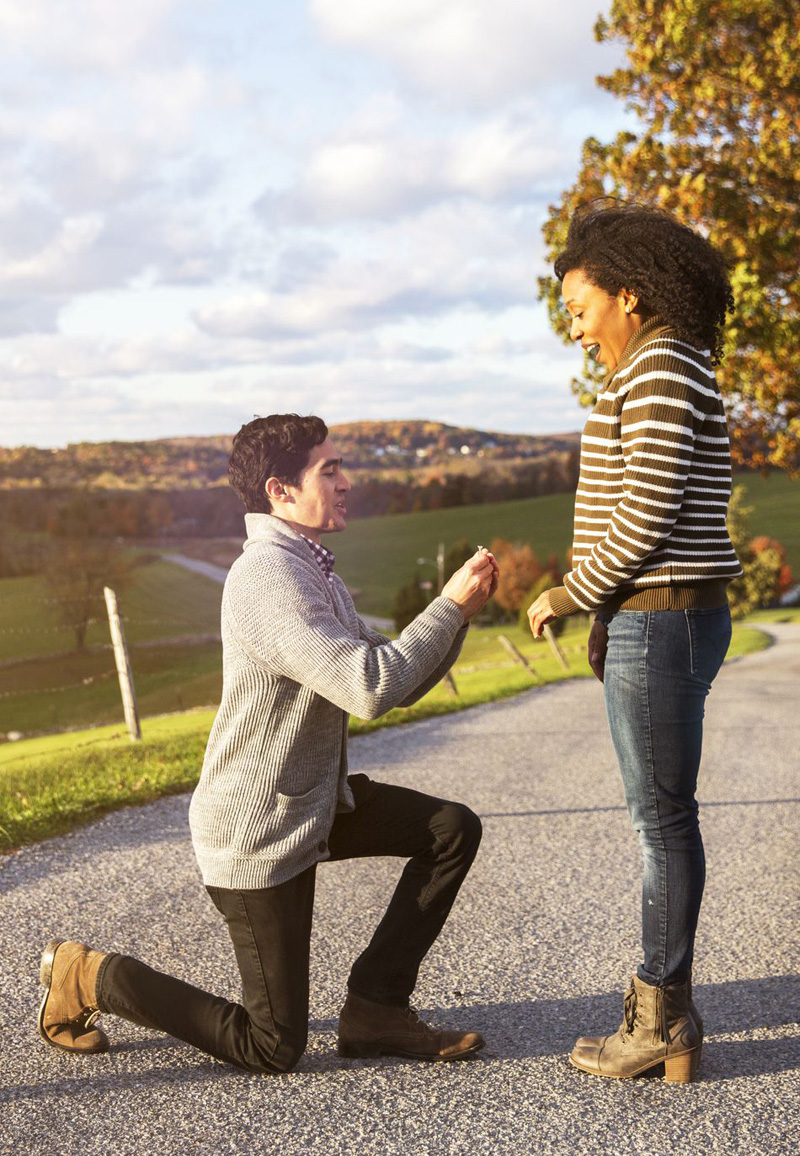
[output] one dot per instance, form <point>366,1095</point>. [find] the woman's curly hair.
<point>677,274</point>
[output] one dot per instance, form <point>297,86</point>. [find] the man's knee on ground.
<point>283,1058</point>
<point>462,827</point>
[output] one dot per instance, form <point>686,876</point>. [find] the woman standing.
<point>648,299</point>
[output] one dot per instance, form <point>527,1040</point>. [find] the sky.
<point>212,209</point>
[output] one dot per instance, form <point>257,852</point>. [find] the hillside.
<point>201,462</point>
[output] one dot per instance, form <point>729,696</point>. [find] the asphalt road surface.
<point>537,951</point>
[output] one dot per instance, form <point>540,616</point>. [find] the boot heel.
<point>682,1069</point>
<point>358,1051</point>
<point>46,966</point>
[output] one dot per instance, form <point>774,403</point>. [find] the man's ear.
<point>276,490</point>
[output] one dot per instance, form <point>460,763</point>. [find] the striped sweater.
<point>655,481</point>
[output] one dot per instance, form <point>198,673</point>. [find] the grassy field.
<point>159,601</point>
<point>776,502</point>
<point>377,555</point>
<point>52,784</point>
<point>47,686</point>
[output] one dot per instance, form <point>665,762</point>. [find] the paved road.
<point>537,951</point>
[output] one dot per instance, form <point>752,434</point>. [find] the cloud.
<point>471,52</point>
<point>99,129</point>
<point>512,156</point>
<point>450,257</point>
<point>83,34</point>
<point>58,360</point>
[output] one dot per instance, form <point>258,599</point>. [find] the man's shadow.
<point>526,1029</point>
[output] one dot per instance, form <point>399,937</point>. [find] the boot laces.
<point>629,1011</point>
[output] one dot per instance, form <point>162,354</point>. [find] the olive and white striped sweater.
<point>654,487</point>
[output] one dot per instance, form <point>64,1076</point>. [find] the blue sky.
<point>214,209</point>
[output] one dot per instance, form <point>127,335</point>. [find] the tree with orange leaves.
<point>716,87</point>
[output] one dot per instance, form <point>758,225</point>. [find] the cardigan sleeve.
<point>282,619</point>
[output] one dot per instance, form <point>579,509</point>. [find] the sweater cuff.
<point>562,603</point>
<point>444,610</point>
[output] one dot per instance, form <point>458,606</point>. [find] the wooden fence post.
<point>556,649</point>
<point>518,656</point>
<point>123,664</point>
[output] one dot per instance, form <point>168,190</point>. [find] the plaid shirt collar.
<point>324,558</point>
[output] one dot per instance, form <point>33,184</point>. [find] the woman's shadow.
<point>550,1026</point>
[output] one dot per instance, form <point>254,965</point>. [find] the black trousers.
<point>271,931</point>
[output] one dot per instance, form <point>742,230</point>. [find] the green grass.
<point>50,686</point>
<point>776,502</point>
<point>81,689</point>
<point>375,556</point>
<point>53,784</point>
<point>161,600</point>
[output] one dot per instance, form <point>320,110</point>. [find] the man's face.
<point>319,499</point>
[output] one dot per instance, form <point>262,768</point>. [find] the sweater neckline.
<point>649,330</point>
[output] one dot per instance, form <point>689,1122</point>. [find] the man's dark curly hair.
<point>272,447</point>
<point>678,275</point>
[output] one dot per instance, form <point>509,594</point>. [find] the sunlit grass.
<point>53,784</point>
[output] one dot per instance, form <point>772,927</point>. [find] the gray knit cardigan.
<point>297,659</point>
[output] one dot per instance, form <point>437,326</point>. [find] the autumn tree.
<point>519,569</point>
<point>785,578</point>
<point>715,85</point>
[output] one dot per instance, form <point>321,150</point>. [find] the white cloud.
<point>450,257</point>
<point>471,51</point>
<point>80,34</point>
<point>391,270</point>
<point>379,175</point>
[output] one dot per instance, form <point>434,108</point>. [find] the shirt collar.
<point>324,558</point>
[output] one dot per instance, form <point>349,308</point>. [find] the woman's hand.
<point>598,645</point>
<point>540,613</point>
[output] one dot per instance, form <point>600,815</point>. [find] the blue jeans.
<point>659,668</point>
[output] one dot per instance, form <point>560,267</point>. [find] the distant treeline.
<point>196,463</point>
<point>30,517</point>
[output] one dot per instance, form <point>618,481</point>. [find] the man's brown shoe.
<point>374,1029</point>
<point>69,1009</point>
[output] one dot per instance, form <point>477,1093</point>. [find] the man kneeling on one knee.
<point>274,798</point>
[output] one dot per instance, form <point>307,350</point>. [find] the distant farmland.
<point>172,615</point>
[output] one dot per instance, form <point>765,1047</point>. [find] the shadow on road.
<point>527,1029</point>
<point>600,810</point>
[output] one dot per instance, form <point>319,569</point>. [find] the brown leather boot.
<point>69,1009</point>
<point>375,1029</point>
<point>657,1028</point>
<point>695,1013</point>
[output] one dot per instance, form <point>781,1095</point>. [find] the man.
<point>274,798</point>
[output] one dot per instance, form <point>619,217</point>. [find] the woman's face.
<point>603,324</point>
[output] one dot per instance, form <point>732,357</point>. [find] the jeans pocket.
<point>709,638</point>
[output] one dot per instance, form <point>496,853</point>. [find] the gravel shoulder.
<point>537,951</point>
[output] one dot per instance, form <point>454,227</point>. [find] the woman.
<point>648,299</point>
